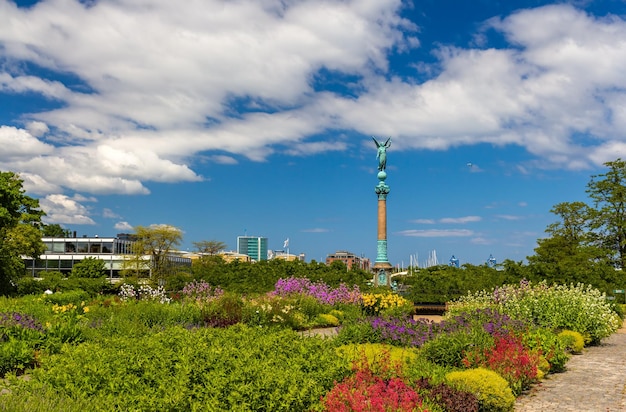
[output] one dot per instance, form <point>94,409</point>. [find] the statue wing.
<point>388,142</point>
<point>374,139</point>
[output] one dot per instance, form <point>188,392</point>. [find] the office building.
<point>61,254</point>
<point>253,246</point>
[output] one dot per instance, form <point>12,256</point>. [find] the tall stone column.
<point>382,267</point>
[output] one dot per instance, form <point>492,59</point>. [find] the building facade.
<point>350,259</point>
<point>253,246</point>
<point>61,254</point>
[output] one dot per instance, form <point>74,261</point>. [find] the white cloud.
<point>481,241</point>
<point>123,226</point>
<point>316,230</point>
<point>109,214</point>
<point>460,220</point>
<point>437,233</point>
<point>62,209</point>
<point>19,143</point>
<point>509,217</point>
<point>144,100</point>
<point>424,221</point>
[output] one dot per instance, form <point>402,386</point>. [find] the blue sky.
<point>255,117</point>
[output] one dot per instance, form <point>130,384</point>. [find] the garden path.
<point>594,381</point>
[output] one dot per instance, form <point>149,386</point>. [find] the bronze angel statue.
<point>381,155</point>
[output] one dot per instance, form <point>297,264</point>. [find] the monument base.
<point>382,274</point>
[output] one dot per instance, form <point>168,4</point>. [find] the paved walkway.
<point>593,382</point>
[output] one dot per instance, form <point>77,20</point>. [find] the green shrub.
<point>226,310</point>
<point>28,285</point>
<point>357,332</point>
<point>42,398</point>
<point>75,297</point>
<point>573,341</point>
<point>492,390</point>
<point>581,308</point>
<point>16,356</point>
<point>448,349</point>
<point>236,368</point>
<point>325,319</point>
<point>374,352</point>
<point>551,348</point>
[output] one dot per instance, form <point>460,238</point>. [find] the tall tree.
<point>608,220</point>
<point>209,247</point>
<point>158,242</point>
<point>54,230</point>
<point>20,217</point>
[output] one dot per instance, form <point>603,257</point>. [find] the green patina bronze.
<point>382,264</point>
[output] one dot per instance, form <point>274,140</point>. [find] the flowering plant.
<point>319,290</point>
<point>143,292</point>
<point>509,358</point>
<point>375,303</point>
<point>373,388</point>
<point>201,291</point>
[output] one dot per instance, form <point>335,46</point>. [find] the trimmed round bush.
<point>491,389</point>
<point>573,341</point>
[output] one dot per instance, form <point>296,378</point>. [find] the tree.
<point>608,192</point>
<point>90,267</point>
<point>54,230</point>
<point>20,218</point>
<point>157,242</point>
<point>209,247</point>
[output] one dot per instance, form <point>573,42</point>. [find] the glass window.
<point>52,264</point>
<point>107,247</point>
<point>70,247</point>
<point>95,247</point>
<point>48,246</point>
<point>58,247</point>
<point>66,264</point>
<point>82,247</point>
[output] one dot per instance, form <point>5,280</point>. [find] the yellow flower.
<point>86,309</point>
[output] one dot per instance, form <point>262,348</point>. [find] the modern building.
<point>61,254</point>
<point>350,259</point>
<point>253,246</point>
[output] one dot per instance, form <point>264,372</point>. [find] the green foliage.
<point>573,341</point>
<point>90,267</point>
<point>575,307</point>
<point>357,332</point>
<point>326,319</point>
<point>157,241</point>
<point>440,284</point>
<point>551,348</point>
<point>16,355</point>
<point>54,230</point>
<point>19,216</point>
<point>205,369</point>
<point>260,277</point>
<point>448,349</point>
<point>492,390</point>
<point>41,398</point>
<point>373,352</point>
<point>75,297</point>
<point>225,310</point>
<point>54,281</point>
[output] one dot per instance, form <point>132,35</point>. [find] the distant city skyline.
<point>231,118</point>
